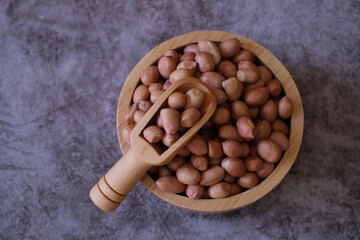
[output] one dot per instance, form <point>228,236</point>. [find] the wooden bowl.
<point>296,123</point>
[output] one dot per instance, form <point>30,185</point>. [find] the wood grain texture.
<point>296,129</point>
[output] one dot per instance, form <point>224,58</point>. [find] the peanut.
<point>253,163</point>
<point>234,166</point>
<point>249,180</point>
<point>246,128</point>
<point>189,117</point>
<point>170,184</point>
<point>176,162</point>
<point>166,66</point>
<point>150,75</point>
<point>212,176</point>
<point>230,47</point>
<point>177,100</point>
<point>220,190</point>
<point>213,79</point>
<point>205,62</point>
<point>220,116</point>
<point>281,139</point>
<point>187,174</point>
<point>141,93</point>
<point>195,191</point>
<point>233,88</point>
<point>194,98</point>
<point>232,148</point>
<point>215,149</point>
<point>285,107</point>
<point>170,120</point>
<point>197,145</point>
<point>153,134</point>
<point>227,69</point>
<point>199,162</point>
<point>269,150</point>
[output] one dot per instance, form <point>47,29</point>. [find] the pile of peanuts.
<point>244,139</point>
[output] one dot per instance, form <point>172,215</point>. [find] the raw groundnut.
<point>172,53</point>
<point>189,56</point>
<point>232,148</point>
<point>170,184</point>
<point>246,128</point>
<point>239,109</point>
<point>177,100</point>
<point>138,115</point>
<point>179,74</point>
<point>199,162</point>
<point>219,190</point>
<point>274,87</point>
<point>155,95</point>
<point>248,76</point>
<point>194,98</point>
<point>220,96</point>
<point>141,93</point>
<point>246,150</point>
<point>243,55</point>
<point>268,111</point>
<point>280,125</point>
<point>170,120</point>
<point>265,170</point>
<point>168,139</point>
<point>150,75</point>
<point>213,79</point>
<point>129,117</point>
<point>234,166</point>
<point>189,117</point>
<point>153,134</point>
<point>167,84</point>
<point>229,132</point>
<point>210,47</point>
<point>285,107</point>
<point>256,96</point>
<point>260,83</point>
<point>187,174</point>
<point>205,62</point>
<point>175,163</point>
<point>220,116</point>
<point>253,163</point>
<point>249,180</point>
<point>197,145</point>
<point>269,150</point>
<point>215,149</point>
<point>191,65</point>
<point>233,88</point>
<point>263,130</point>
<point>144,105</point>
<point>184,152</point>
<point>195,191</point>
<point>166,66</point>
<point>212,176</point>
<point>230,47</point>
<point>281,139</point>
<point>164,171</point>
<point>126,132</point>
<point>155,86</point>
<point>193,48</point>
<point>227,69</point>
<point>265,73</point>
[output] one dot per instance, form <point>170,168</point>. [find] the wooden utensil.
<point>111,190</point>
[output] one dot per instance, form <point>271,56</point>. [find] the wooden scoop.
<point>111,190</point>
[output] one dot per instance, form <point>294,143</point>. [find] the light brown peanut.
<point>269,150</point>
<point>281,139</point>
<point>265,73</point>
<point>253,163</point>
<point>197,145</point>
<point>213,79</point>
<point>230,47</point>
<point>219,190</point>
<point>243,55</point>
<point>141,93</point>
<point>229,132</point>
<point>268,111</point>
<point>199,162</point>
<point>205,62</point>
<point>233,88</point>
<point>170,120</point>
<point>248,180</point>
<point>194,98</point>
<point>155,95</point>
<point>265,170</point>
<point>256,96</point>
<point>170,184</point>
<point>150,75</point>
<point>179,74</point>
<point>274,87</point>
<point>280,125</point>
<point>246,128</point>
<point>126,132</point>
<point>227,69</point>
<point>155,86</point>
<point>177,100</point>
<point>189,117</point>
<point>175,163</point>
<point>220,116</point>
<point>285,107</point>
<point>232,148</point>
<point>153,134</point>
<point>235,189</point>
<point>263,130</point>
<point>195,191</point>
<point>187,174</point>
<point>144,105</point>
<point>234,166</point>
<point>210,47</point>
<point>166,66</point>
<point>168,139</point>
<point>189,56</point>
<point>164,171</point>
<point>239,109</point>
<point>215,149</point>
<point>220,96</point>
<point>212,176</point>
<point>190,65</point>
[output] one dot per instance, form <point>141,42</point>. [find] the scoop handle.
<point>112,189</point>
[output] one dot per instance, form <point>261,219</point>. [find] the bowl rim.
<point>296,125</point>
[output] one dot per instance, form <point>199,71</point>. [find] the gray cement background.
<point>62,66</point>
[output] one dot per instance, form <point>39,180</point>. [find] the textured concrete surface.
<point>62,66</point>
